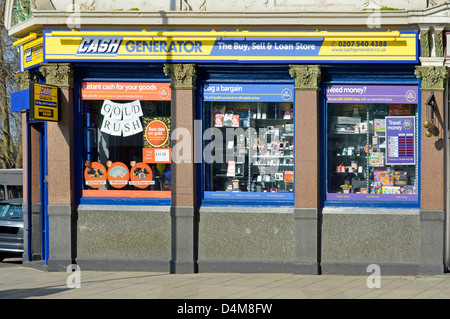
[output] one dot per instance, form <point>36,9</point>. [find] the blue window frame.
<point>369,157</point>
<point>83,119</point>
<point>248,142</point>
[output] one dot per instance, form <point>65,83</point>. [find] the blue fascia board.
<point>20,100</point>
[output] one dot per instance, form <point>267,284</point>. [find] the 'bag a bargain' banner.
<point>248,92</point>
<point>245,49</point>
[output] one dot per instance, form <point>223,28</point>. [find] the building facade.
<point>246,136</point>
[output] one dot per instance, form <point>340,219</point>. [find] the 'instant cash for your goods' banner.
<point>157,91</point>
<point>227,49</point>
<point>123,118</point>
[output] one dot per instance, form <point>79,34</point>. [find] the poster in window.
<point>156,140</point>
<point>118,174</point>
<point>400,138</point>
<point>141,175</point>
<point>121,119</point>
<point>94,174</point>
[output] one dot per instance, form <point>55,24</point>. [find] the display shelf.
<point>349,133</point>
<point>273,165</point>
<point>270,156</point>
<point>276,129</point>
<point>264,147</point>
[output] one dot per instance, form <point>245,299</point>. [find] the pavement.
<point>23,282</point>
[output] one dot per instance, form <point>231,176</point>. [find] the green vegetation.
<point>383,9</point>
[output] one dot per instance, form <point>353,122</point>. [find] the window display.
<point>250,145</point>
<point>372,143</point>
<point>126,139</point>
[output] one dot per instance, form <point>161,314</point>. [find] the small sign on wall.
<point>32,54</point>
<point>44,102</point>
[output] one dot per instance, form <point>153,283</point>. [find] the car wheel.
<point>1,258</point>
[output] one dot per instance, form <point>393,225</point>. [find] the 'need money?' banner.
<point>58,48</point>
<point>374,94</point>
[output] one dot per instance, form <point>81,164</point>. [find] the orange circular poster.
<point>94,174</point>
<point>156,133</point>
<point>141,175</point>
<point>118,174</point>
<point>164,93</point>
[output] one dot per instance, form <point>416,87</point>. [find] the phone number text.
<point>360,43</point>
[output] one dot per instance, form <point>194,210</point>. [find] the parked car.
<point>11,183</point>
<point>11,229</point>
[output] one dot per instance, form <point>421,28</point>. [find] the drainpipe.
<point>447,200</point>
<point>27,169</point>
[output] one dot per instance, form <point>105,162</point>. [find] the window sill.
<point>125,201</point>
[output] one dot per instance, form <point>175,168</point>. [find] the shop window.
<point>126,139</point>
<point>249,142</point>
<point>372,143</point>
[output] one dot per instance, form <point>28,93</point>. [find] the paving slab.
<point>19,282</point>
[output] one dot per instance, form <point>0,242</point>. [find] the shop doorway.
<point>37,192</point>
<point>43,186</point>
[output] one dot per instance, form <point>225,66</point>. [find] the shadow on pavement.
<point>17,261</point>
<point>30,292</point>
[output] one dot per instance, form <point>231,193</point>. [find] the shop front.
<point>240,151</point>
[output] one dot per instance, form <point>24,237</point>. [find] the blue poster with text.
<point>248,92</point>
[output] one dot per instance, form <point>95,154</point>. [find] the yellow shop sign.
<point>229,47</point>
